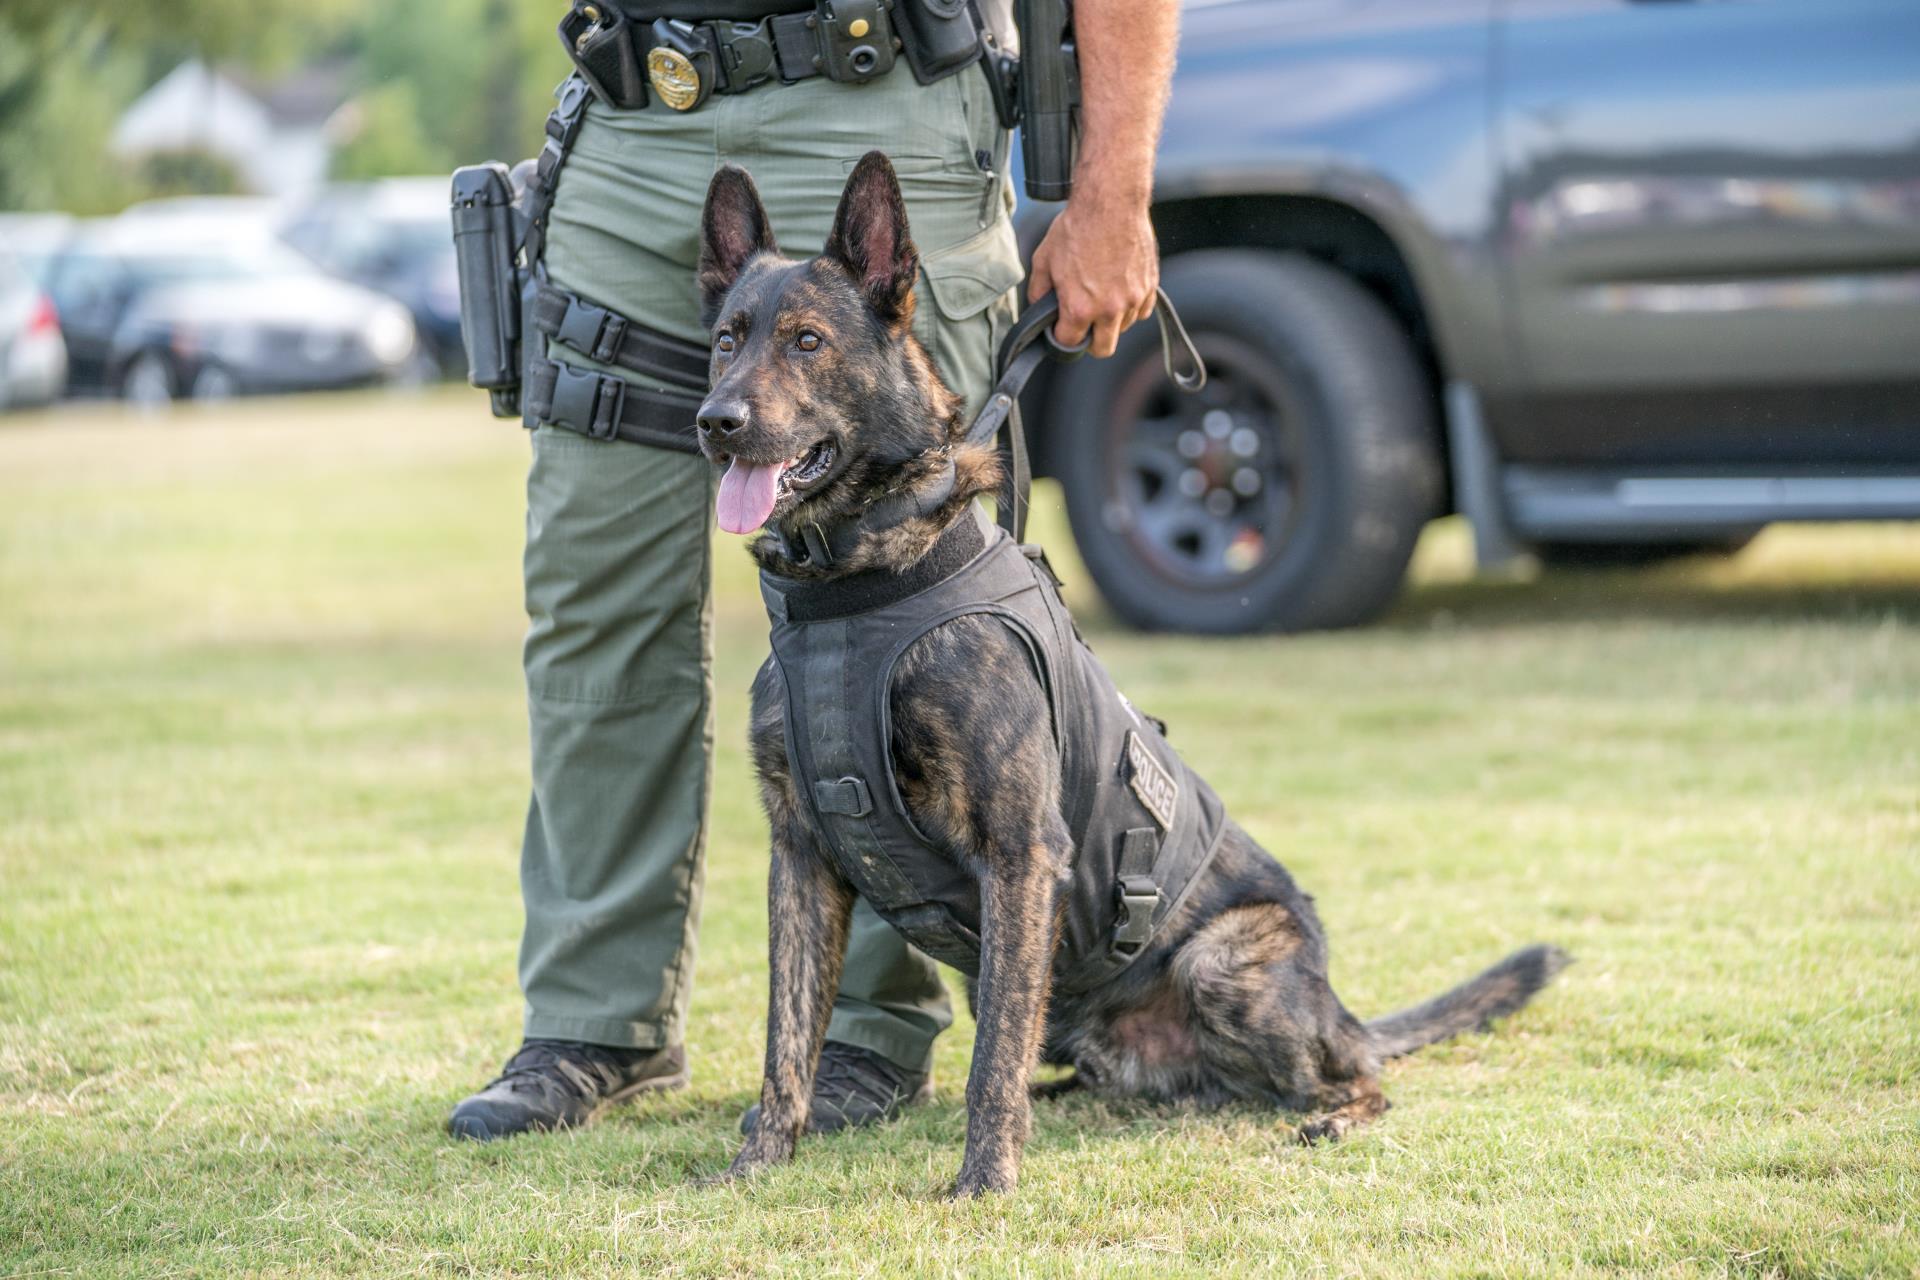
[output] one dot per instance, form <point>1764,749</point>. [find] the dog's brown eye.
<point>808,341</point>
<point>723,344</point>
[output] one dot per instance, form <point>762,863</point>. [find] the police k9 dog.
<point>931,733</point>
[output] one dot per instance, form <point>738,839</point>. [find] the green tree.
<point>481,71</point>
<point>387,137</point>
<point>60,93</point>
<point>435,85</point>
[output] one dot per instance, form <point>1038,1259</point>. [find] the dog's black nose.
<point>722,417</point>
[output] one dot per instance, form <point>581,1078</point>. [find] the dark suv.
<point>1614,279</point>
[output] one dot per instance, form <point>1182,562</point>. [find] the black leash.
<point>1029,344</point>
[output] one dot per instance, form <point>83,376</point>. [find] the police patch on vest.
<point>1151,782</point>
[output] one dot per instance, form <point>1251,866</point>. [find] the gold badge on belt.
<point>673,77</point>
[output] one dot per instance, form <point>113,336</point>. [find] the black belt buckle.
<point>856,39</point>
<point>592,331</point>
<point>589,403</point>
<point>680,65</point>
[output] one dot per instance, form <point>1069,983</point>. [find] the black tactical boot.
<point>856,1087</point>
<point>562,1084</point>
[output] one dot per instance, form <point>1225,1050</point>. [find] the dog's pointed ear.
<point>870,238</point>
<point>733,230</point>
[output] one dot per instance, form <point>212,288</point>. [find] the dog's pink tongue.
<point>746,495</point>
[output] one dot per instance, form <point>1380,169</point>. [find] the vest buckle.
<point>1138,895</point>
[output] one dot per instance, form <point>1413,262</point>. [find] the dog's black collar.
<point>825,546</point>
<point>804,600</point>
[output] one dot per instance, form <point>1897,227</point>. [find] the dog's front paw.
<point>758,1154</point>
<point>977,1182</point>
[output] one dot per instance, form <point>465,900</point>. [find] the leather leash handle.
<point>1035,322</point>
<point>1171,330</point>
<point>1027,345</point>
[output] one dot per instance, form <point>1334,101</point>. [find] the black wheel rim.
<point>1205,489</point>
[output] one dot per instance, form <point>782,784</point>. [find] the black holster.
<point>1048,96</point>
<point>499,230</point>
<point>486,252</point>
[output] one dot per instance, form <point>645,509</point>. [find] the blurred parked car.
<point>33,239</point>
<point>1613,279</point>
<point>33,355</point>
<point>156,309</point>
<point>393,235</point>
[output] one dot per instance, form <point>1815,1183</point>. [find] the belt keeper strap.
<point>795,46</point>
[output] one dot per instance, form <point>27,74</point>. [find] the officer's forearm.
<point>1126,50</point>
<point>1099,255</point>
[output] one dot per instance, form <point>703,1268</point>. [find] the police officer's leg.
<point>618,656</point>
<point>617,664</point>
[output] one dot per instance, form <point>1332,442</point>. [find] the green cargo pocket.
<point>969,286</point>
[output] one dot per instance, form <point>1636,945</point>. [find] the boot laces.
<point>585,1070</point>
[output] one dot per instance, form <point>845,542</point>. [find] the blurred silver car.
<point>162,308</point>
<point>33,354</point>
<point>392,235</point>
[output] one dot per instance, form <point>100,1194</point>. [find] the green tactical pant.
<point>618,657</point>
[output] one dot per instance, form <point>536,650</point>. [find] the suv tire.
<point>1290,492</point>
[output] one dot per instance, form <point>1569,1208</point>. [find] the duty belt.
<point>685,62</point>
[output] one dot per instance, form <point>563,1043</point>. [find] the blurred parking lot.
<point>1637,288</point>
<point>204,298</point>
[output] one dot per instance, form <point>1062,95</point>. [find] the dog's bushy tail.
<point>1473,1004</point>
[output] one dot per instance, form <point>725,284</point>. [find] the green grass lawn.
<point>262,772</point>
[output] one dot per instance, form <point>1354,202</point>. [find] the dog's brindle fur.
<point>1232,999</point>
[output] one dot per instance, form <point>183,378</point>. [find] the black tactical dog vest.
<point>1143,823</point>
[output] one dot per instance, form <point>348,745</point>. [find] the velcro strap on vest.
<point>847,797</point>
<point>1139,895</point>
<point>602,334</point>
<point>604,407</point>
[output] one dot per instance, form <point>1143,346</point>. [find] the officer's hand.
<point>1099,256</point>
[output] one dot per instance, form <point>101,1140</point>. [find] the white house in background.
<point>275,135</point>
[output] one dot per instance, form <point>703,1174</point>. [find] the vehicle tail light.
<point>44,318</point>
